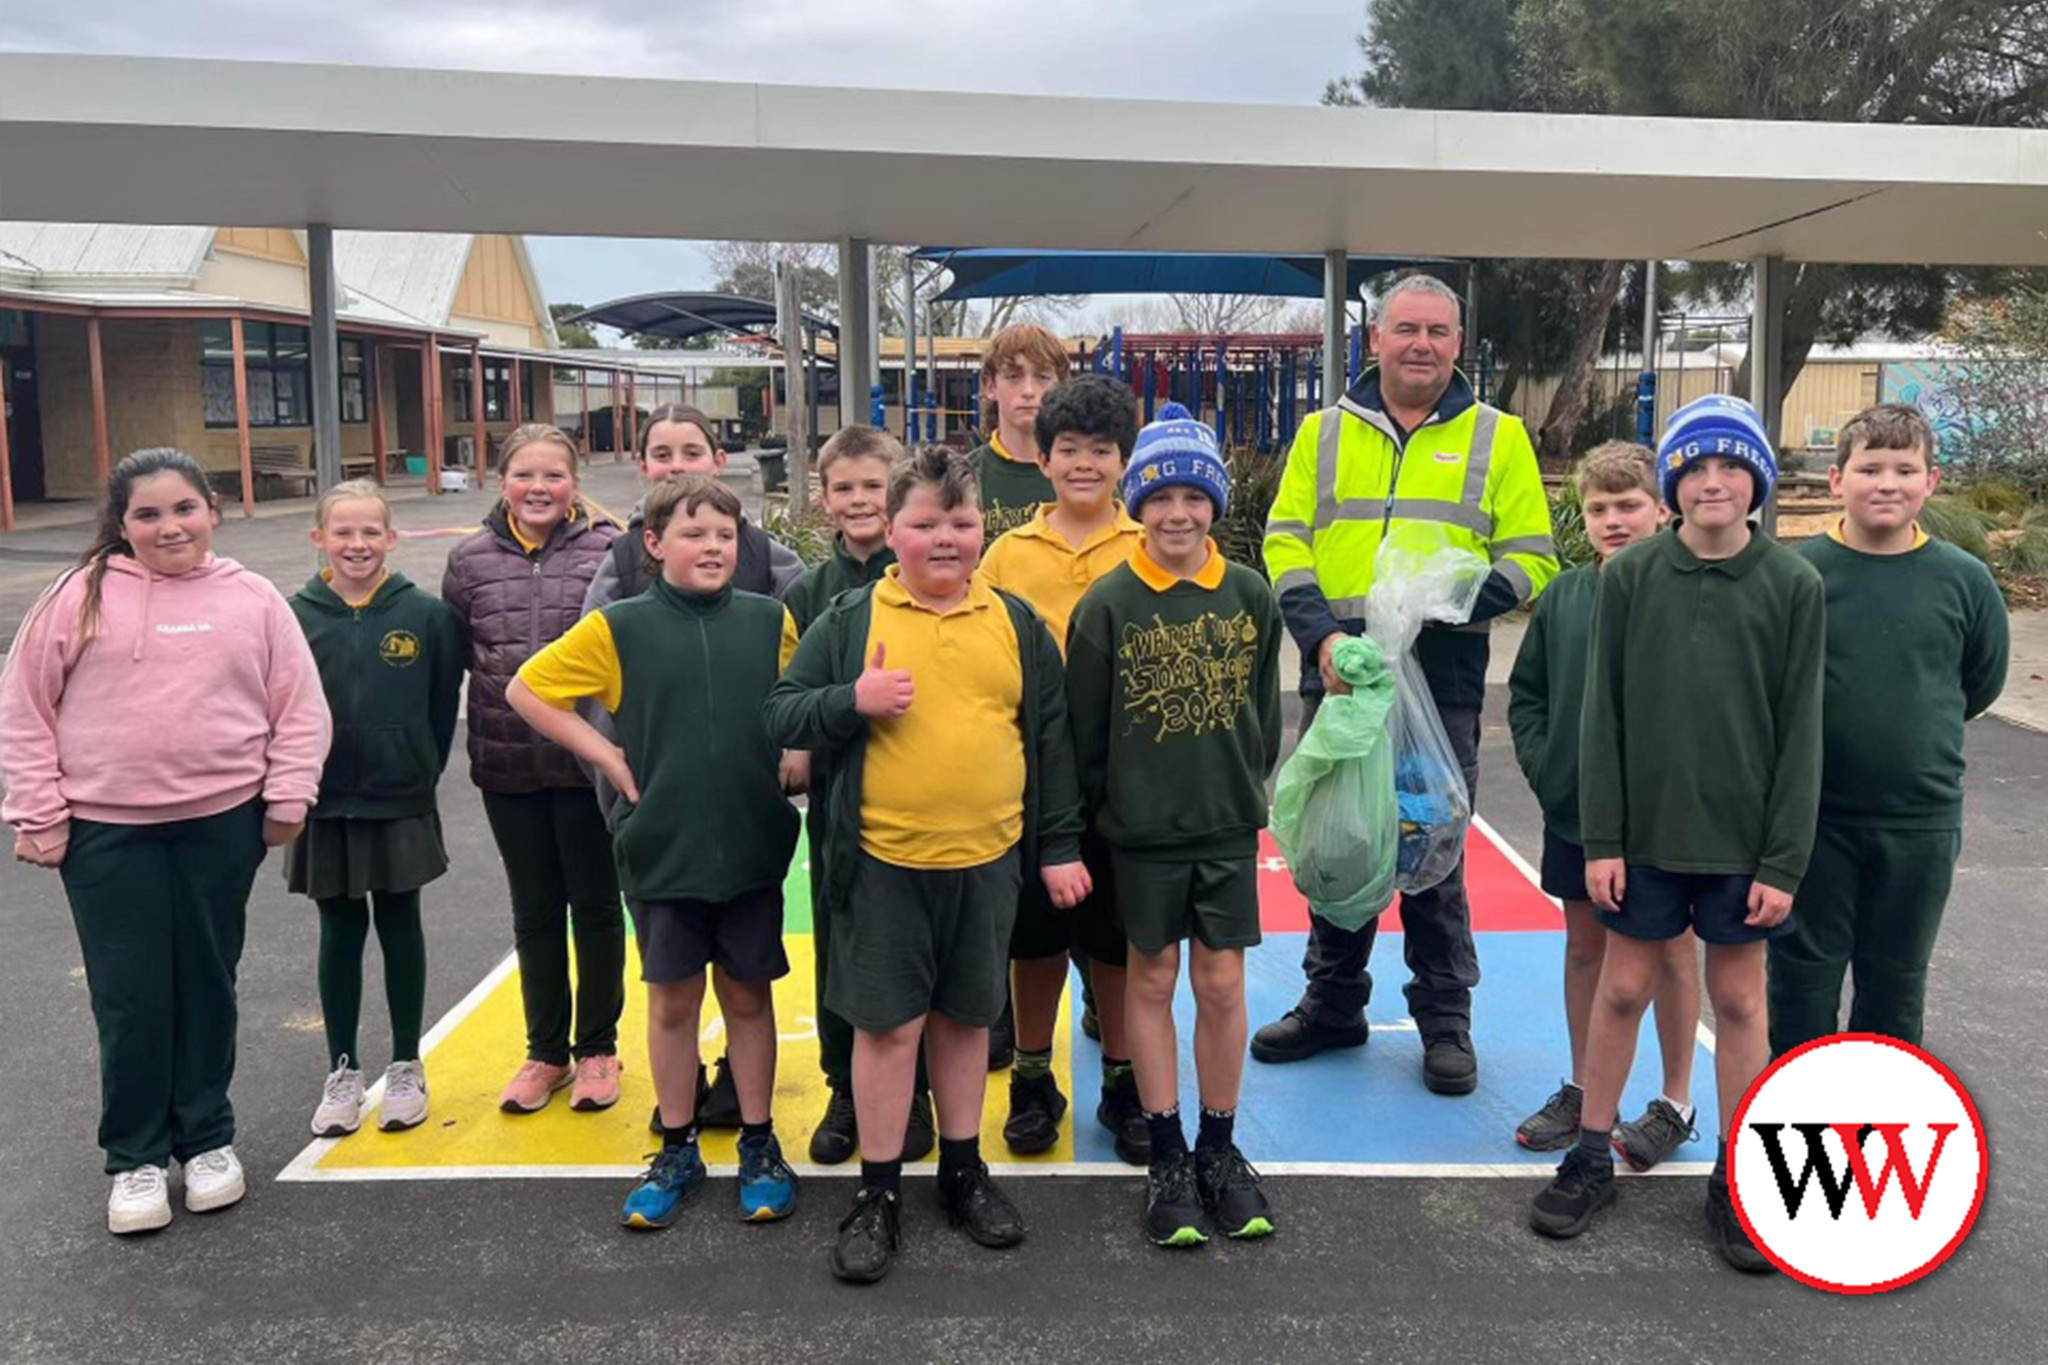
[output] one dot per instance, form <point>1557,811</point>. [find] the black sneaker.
<point>703,1089</point>
<point>1726,1230</point>
<point>868,1237</point>
<point>1120,1112</point>
<point>1581,1188</point>
<point>1294,1037</point>
<point>1002,1041</point>
<point>921,1133</point>
<point>973,1202</point>
<point>1173,1204</point>
<point>720,1106</point>
<point>1231,1195</point>
<point>1036,1108</point>
<point>1652,1138</point>
<point>1449,1066</point>
<point>838,1134</point>
<point>1555,1126</point>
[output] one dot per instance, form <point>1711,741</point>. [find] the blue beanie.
<point>1176,449</point>
<point>1717,425</point>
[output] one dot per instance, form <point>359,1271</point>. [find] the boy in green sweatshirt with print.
<point>1699,781</point>
<point>1916,629</point>
<point>1173,685</point>
<point>703,830</point>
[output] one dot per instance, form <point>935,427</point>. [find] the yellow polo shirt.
<point>1036,562</point>
<point>1159,578</point>
<point>942,784</point>
<point>584,662</point>
<point>1836,534</point>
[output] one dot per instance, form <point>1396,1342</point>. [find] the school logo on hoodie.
<point>400,649</point>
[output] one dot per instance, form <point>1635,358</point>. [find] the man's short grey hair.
<point>1419,284</point>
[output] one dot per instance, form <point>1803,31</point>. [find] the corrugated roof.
<point>107,250</point>
<point>409,276</point>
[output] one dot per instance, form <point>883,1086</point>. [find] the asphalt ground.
<point>1362,1269</point>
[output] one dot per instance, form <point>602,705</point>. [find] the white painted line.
<point>1068,1169</point>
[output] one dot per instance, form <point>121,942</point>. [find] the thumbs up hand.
<point>882,693</point>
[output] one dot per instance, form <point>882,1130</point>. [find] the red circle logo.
<point>1857,1163</point>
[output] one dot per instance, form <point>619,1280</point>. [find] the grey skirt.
<point>352,858</point>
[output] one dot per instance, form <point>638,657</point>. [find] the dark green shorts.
<point>1214,900</point>
<point>1045,930</point>
<point>913,941</point>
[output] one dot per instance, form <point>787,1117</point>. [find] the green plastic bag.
<point>1334,813</point>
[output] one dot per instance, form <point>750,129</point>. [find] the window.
<point>458,389</point>
<point>526,411</point>
<point>280,375</point>
<point>497,390</point>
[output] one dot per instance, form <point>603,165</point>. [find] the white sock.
<point>1684,1110</point>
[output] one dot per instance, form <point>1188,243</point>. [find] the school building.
<point>115,337</point>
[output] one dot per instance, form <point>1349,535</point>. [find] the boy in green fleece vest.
<point>853,470</point>
<point>1916,629</point>
<point>933,709</point>
<point>703,831</point>
<point>1699,781</point>
<point>1173,682</point>
<point>1617,485</point>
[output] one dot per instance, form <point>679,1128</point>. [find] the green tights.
<point>344,929</point>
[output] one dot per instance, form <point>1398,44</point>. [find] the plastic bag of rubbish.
<point>1334,815</point>
<point>1419,579</point>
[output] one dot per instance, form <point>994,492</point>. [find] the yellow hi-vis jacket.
<point>1352,480</point>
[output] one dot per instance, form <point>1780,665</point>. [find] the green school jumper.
<point>1701,740</point>
<point>1916,644</point>
<point>1546,692</point>
<point>1011,491</point>
<point>808,597</point>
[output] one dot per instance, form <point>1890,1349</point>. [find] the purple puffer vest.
<point>512,605</point>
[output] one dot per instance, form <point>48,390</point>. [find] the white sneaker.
<point>341,1103</point>
<point>405,1096</point>
<point>213,1180</point>
<point>140,1201</point>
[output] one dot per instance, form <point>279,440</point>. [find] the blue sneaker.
<point>767,1185</point>
<point>674,1176</point>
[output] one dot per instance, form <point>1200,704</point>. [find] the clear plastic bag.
<point>1333,805</point>
<point>1419,578</point>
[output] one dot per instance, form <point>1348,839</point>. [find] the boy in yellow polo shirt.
<point>934,710</point>
<point>1085,430</point>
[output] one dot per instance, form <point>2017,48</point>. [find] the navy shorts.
<point>678,939</point>
<point>1659,905</point>
<point>1564,868</point>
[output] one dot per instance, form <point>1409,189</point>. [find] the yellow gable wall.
<point>232,275</point>
<point>494,288</point>
<point>270,244</point>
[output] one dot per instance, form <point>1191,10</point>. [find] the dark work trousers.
<point>1443,963</point>
<point>160,911</point>
<point>1870,906</point>
<point>558,859</point>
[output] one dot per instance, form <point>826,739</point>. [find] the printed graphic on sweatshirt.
<point>999,517</point>
<point>399,648</point>
<point>1187,678</point>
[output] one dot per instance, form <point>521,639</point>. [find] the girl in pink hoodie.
<point>161,725</point>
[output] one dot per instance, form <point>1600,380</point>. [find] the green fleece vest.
<point>392,672</point>
<point>712,821</point>
<point>1174,700</point>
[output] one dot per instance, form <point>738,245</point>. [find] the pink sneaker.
<point>597,1083</point>
<point>533,1087</point>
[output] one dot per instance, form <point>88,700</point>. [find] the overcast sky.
<point>1271,51</point>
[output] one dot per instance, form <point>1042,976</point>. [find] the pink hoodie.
<point>194,695</point>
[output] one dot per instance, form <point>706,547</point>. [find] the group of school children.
<point>1053,751</point>
<point>1748,746</point>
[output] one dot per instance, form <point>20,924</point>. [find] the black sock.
<point>882,1175</point>
<point>685,1136</point>
<point>1721,1161</point>
<point>1217,1130</point>
<point>1597,1145</point>
<point>957,1155</point>
<point>757,1130</point>
<point>1169,1140</point>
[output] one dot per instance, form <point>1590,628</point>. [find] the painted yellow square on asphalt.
<point>472,1053</point>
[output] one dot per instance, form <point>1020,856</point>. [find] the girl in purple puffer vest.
<point>516,585</point>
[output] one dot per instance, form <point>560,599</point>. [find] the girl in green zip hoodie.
<point>390,659</point>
